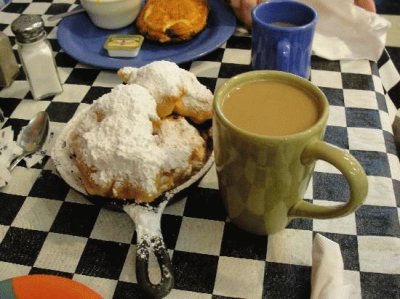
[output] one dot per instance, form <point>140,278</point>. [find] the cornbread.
<point>172,20</point>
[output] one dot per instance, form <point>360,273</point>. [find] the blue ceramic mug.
<point>282,36</point>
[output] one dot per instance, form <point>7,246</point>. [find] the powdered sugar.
<point>172,130</point>
<point>159,77</point>
<point>124,131</point>
<point>196,95</point>
<point>120,138</point>
<point>166,78</point>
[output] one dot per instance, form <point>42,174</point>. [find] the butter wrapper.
<point>123,45</point>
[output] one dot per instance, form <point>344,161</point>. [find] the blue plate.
<point>82,40</point>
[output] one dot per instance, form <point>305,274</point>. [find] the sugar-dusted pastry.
<point>175,89</point>
<point>122,148</point>
<point>172,20</point>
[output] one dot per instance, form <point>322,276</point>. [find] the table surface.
<point>46,227</point>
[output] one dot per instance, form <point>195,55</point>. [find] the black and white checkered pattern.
<point>45,227</point>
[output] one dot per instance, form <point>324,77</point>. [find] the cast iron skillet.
<point>147,217</point>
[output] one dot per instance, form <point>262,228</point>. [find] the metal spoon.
<point>32,137</point>
<point>65,14</point>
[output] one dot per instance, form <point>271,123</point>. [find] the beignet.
<point>175,89</point>
<point>123,149</point>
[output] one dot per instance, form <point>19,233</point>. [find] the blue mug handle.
<point>283,56</point>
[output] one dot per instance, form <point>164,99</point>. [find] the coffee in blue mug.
<point>282,36</point>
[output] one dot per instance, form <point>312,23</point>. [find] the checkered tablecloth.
<point>46,227</point>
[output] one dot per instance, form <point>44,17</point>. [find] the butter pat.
<point>123,45</point>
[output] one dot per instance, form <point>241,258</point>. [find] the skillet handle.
<point>145,246</point>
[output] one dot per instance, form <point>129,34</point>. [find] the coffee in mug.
<point>283,24</point>
<point>268,129</point>
<point>270,107</point>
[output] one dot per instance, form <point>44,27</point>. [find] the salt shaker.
<point>8,65</point>
<point>36,56</point>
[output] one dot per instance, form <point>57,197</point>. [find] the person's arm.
<point>366,4</point>
<point>242,8</point>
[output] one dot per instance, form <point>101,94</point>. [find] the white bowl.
<point>112,14</point>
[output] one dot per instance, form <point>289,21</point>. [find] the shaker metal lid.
<point>28,28</point>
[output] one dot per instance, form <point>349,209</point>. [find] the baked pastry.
<point>172,20</point>
<point>122,149</point>
<point>175,89</point>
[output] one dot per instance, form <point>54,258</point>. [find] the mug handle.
<point>282,55</point>
<point>352,171</point>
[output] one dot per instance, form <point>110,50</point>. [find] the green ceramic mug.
<point>262,178</point>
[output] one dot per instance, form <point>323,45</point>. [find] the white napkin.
<point>327,271</point>
<point>346,31</point>
<point>8,151</point>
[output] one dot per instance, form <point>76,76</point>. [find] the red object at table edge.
<point>42,286</point>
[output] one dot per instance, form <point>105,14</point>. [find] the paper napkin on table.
<point>327,280</point>
<point>346,31</point>
<point>8,151</point>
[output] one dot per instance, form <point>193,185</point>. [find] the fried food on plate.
<point>174,89</point>
<point>172,20</point>
<point>123,150</point>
